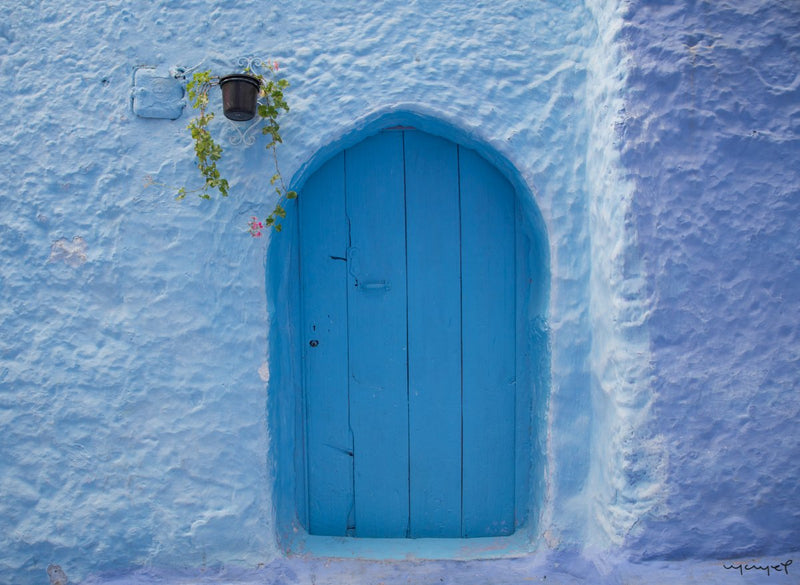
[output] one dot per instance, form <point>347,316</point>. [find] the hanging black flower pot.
<point>239,96</point>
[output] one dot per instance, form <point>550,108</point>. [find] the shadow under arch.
<point>285,389</point>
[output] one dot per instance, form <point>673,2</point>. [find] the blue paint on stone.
<point>143,364</point>
<point>711,136</point>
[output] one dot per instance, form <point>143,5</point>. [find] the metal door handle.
<point>376,285</point>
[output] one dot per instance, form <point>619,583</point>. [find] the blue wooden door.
<point>407,282</point>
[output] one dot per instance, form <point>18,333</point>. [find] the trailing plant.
<point>271,105</point>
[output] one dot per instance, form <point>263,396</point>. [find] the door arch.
<point>414,422</point>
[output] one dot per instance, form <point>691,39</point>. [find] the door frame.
<point>285,406</point>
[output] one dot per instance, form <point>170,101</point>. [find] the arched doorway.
<point>414,423</point>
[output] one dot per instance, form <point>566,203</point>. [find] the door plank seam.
<point>408,349</point>
<point>461,333</point>
<point>350,521</point>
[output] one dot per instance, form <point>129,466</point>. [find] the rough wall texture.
<point>133,354</point>
<point>711,137</point>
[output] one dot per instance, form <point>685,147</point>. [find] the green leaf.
<point>272,104</point>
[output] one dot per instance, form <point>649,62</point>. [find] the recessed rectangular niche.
<point>157,94</point>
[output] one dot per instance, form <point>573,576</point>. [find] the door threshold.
<point>515,545</point>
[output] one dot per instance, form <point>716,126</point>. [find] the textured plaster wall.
<point>628,470</point>
<point>659,144</point>
<point>711,139</point>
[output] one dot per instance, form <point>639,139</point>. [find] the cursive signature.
<point>742,567</point>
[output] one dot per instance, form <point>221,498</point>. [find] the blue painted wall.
<point>711,137</point>
<point>138,361</point>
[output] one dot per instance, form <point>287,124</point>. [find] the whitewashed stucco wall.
<point>134,362</point>
<point>711,138</point>
<point>135,329</point>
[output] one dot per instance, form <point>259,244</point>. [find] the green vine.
<point>206,149</point>
<point>272,104</point>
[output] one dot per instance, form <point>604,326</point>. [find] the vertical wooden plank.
<point>434,335</point>
<point>323,248</point>
<point>377,335</point>
<point>488,321</point>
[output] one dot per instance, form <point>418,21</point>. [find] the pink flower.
<point>255,227</point>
